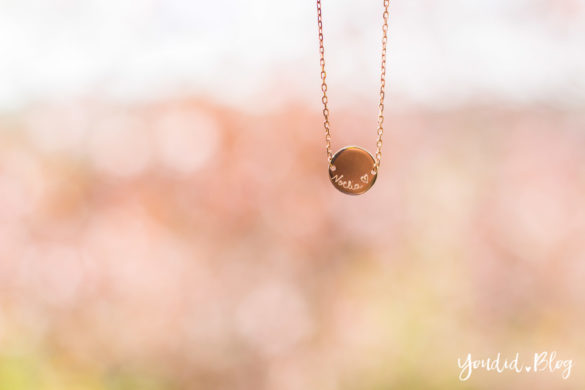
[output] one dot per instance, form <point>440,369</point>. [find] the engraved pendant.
<point>352,170</point>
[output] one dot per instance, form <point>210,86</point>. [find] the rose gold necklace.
<point>353,170</point>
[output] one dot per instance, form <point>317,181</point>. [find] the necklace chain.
<point>325,99</point>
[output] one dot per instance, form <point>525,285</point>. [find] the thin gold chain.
<point>325,100</point>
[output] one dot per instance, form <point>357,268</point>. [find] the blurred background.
<point>167,222</point>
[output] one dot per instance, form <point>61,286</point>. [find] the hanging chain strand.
<point>382,87</point>
<point>325,100</point>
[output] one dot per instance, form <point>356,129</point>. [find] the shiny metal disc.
<point>352,170</point>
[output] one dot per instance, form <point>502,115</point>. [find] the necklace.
<point>353,170</point>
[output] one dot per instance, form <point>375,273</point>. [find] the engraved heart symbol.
<point>364,178</point>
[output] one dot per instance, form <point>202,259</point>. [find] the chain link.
<point>325,100</point>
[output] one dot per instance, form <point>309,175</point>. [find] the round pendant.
<point>352,170</point>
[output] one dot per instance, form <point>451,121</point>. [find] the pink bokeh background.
<point>166,219</point>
